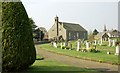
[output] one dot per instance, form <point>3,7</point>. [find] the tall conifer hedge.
<point>17,40</point>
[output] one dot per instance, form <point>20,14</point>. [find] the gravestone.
<point>98,42</point>
<point>55,44</point>
<point>65,43</point>
<point>78,45</point>
<point>108,53</point>
<point>87,45</point>
<point>113,42</point>
<point>95,42</point>
<point>61,45</point>
<point>101,42</point>
<point>70,45</point>
<point>52,44</point>
<point>117,50</point>
<point>110,42</point>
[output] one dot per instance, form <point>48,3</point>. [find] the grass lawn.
<point>100,56</point>
<point>51,65</point>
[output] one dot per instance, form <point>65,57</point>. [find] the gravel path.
<point>75,61</point>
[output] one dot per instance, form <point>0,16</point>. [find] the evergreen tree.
<point>32,24</point>
<point>17,40</point>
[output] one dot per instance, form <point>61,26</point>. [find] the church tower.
<point>105,28</point>
<point>56,23</point>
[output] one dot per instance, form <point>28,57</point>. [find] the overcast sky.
<point>91,14</point>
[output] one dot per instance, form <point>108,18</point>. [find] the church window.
<point>69,35</point>
<point>77,35</point>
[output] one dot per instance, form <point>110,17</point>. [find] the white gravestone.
<point>113,43</point>
<point>55,44</point>
<point>78,45</point>
<point>95,42</point>
<point>64,44</point>
<point>117,50</point>
<point>61,45</point>
<point>87,45</point>
<point>110,42</point>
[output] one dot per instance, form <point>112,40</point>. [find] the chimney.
<point>56,23</point>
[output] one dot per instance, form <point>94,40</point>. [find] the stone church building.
<point>66,31</point>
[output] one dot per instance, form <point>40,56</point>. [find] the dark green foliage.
<point>17,40</point>
<point>94,50</point>
<point>42,35</point>
<point>65,47</point>
<point>39,35</point>
<point>32,23</point>
<point>0,15</point>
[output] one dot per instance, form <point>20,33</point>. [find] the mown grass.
<point>100,56</point>
<point>52,65</point>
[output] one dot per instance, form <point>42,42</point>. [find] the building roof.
<point>43,29</point>
<point>100,34</point>
<point>110,33</point>
<point>72,26</point>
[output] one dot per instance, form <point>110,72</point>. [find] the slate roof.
<point>72,26</point>
<point>100,34</point>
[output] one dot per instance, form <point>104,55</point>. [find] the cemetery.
<point>100,51</point>
<point>20,36</point>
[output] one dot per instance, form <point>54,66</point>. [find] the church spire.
<point>105,28</point>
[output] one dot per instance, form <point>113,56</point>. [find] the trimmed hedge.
<point>17,40</point>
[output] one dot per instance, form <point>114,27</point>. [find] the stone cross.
<point>78,45</point>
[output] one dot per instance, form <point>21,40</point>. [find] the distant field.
<point>101,56</point>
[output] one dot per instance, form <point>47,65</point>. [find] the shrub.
<point>67,47</point>
<point>93,50</point>
<point>17,40</point>
<point>63,47</point>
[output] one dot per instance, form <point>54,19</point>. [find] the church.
<point>66,31</point>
